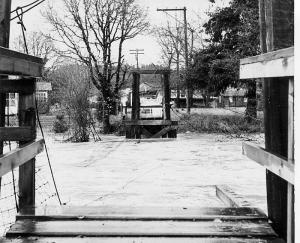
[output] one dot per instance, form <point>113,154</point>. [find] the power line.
<point>25,11</point>
<point>25,6</point>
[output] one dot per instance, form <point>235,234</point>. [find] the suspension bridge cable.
<point>46,150</point>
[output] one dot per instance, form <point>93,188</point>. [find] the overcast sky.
<point>195,11</point>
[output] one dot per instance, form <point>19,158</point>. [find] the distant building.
<point>42,91</point>
<point>233,97</point>
<point>198,99</point>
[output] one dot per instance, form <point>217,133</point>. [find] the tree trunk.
<point>251,113</point>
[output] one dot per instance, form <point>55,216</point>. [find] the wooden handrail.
<point>19,156</point>
<point>273,163</point>
<point>274,64</point>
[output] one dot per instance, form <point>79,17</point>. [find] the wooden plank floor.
<point>141,224</point>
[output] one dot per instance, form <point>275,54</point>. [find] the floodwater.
<point>171,172</point>
<point>181,172</point>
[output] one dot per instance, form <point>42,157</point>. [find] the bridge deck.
<point>142,224</point>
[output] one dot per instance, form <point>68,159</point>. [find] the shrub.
<point>233,124</point>
<point>60,125</point>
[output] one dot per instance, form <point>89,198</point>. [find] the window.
<point>41,96</point>
<point>146,111</point>
<point>11,100</point>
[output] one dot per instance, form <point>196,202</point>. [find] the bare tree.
<point>90,31</point>
<point>171,41</point>
<point>172,47</point>
<point>39,45</point>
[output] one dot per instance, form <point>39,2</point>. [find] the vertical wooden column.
<point>5,7</point>
<point>276,33</point>
<point>167,96</point>
<point>290,189</point>
<point>135,113</point>
<point>27,117</point>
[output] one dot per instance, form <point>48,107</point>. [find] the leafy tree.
<point>232,33</point>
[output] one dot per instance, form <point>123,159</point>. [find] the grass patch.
<point>234,124</point>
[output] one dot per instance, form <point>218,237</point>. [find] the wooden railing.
<point>20,156</point>
<point>23,70</point>
<point>271,65</point>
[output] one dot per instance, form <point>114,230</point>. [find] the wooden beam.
<point>16,63</point>
<point>149,213</point>
<point>269,56</point>
<point>167,96</point>
<point>291,190</point>
<point>17,133</point>
<point>149,71</point>
<point>19,156</point>
<point>137,228</point>
<point>150,123</point>
<point>135,112</point>
<point>27,117</point>
<point>25,86</point>
<point>146,133</point>
<point>272,64</point>
<point>273,163</point>
<point>222,192</point>
<point>162,132</point>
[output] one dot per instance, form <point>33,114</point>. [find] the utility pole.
<point>5,7</point>
<point>188,93</point>
<point>137,52</point>
<point>177,69</point>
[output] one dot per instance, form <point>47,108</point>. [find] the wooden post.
<point>276,33</point>
<point>27,117</point>
<point>290,192</point>
<point>135,110</point>
<point>167,96</point>
<point>5,7</point>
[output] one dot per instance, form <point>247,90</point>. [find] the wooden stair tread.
<point>142,213</point>
<point>141,228</point>
<point>137,239</point>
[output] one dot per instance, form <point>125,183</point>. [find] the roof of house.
<point>43,86</point>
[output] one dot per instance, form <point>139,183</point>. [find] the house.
<point>233,97</point>
<point>198,99</point>
<point>42,91</point>
<point>150,101</point>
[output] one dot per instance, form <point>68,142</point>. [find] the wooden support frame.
<point>277,165</point>
<point>20,156</point>
<point>137,128</point>
<point>269,65</point>
<point>16,63</point>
